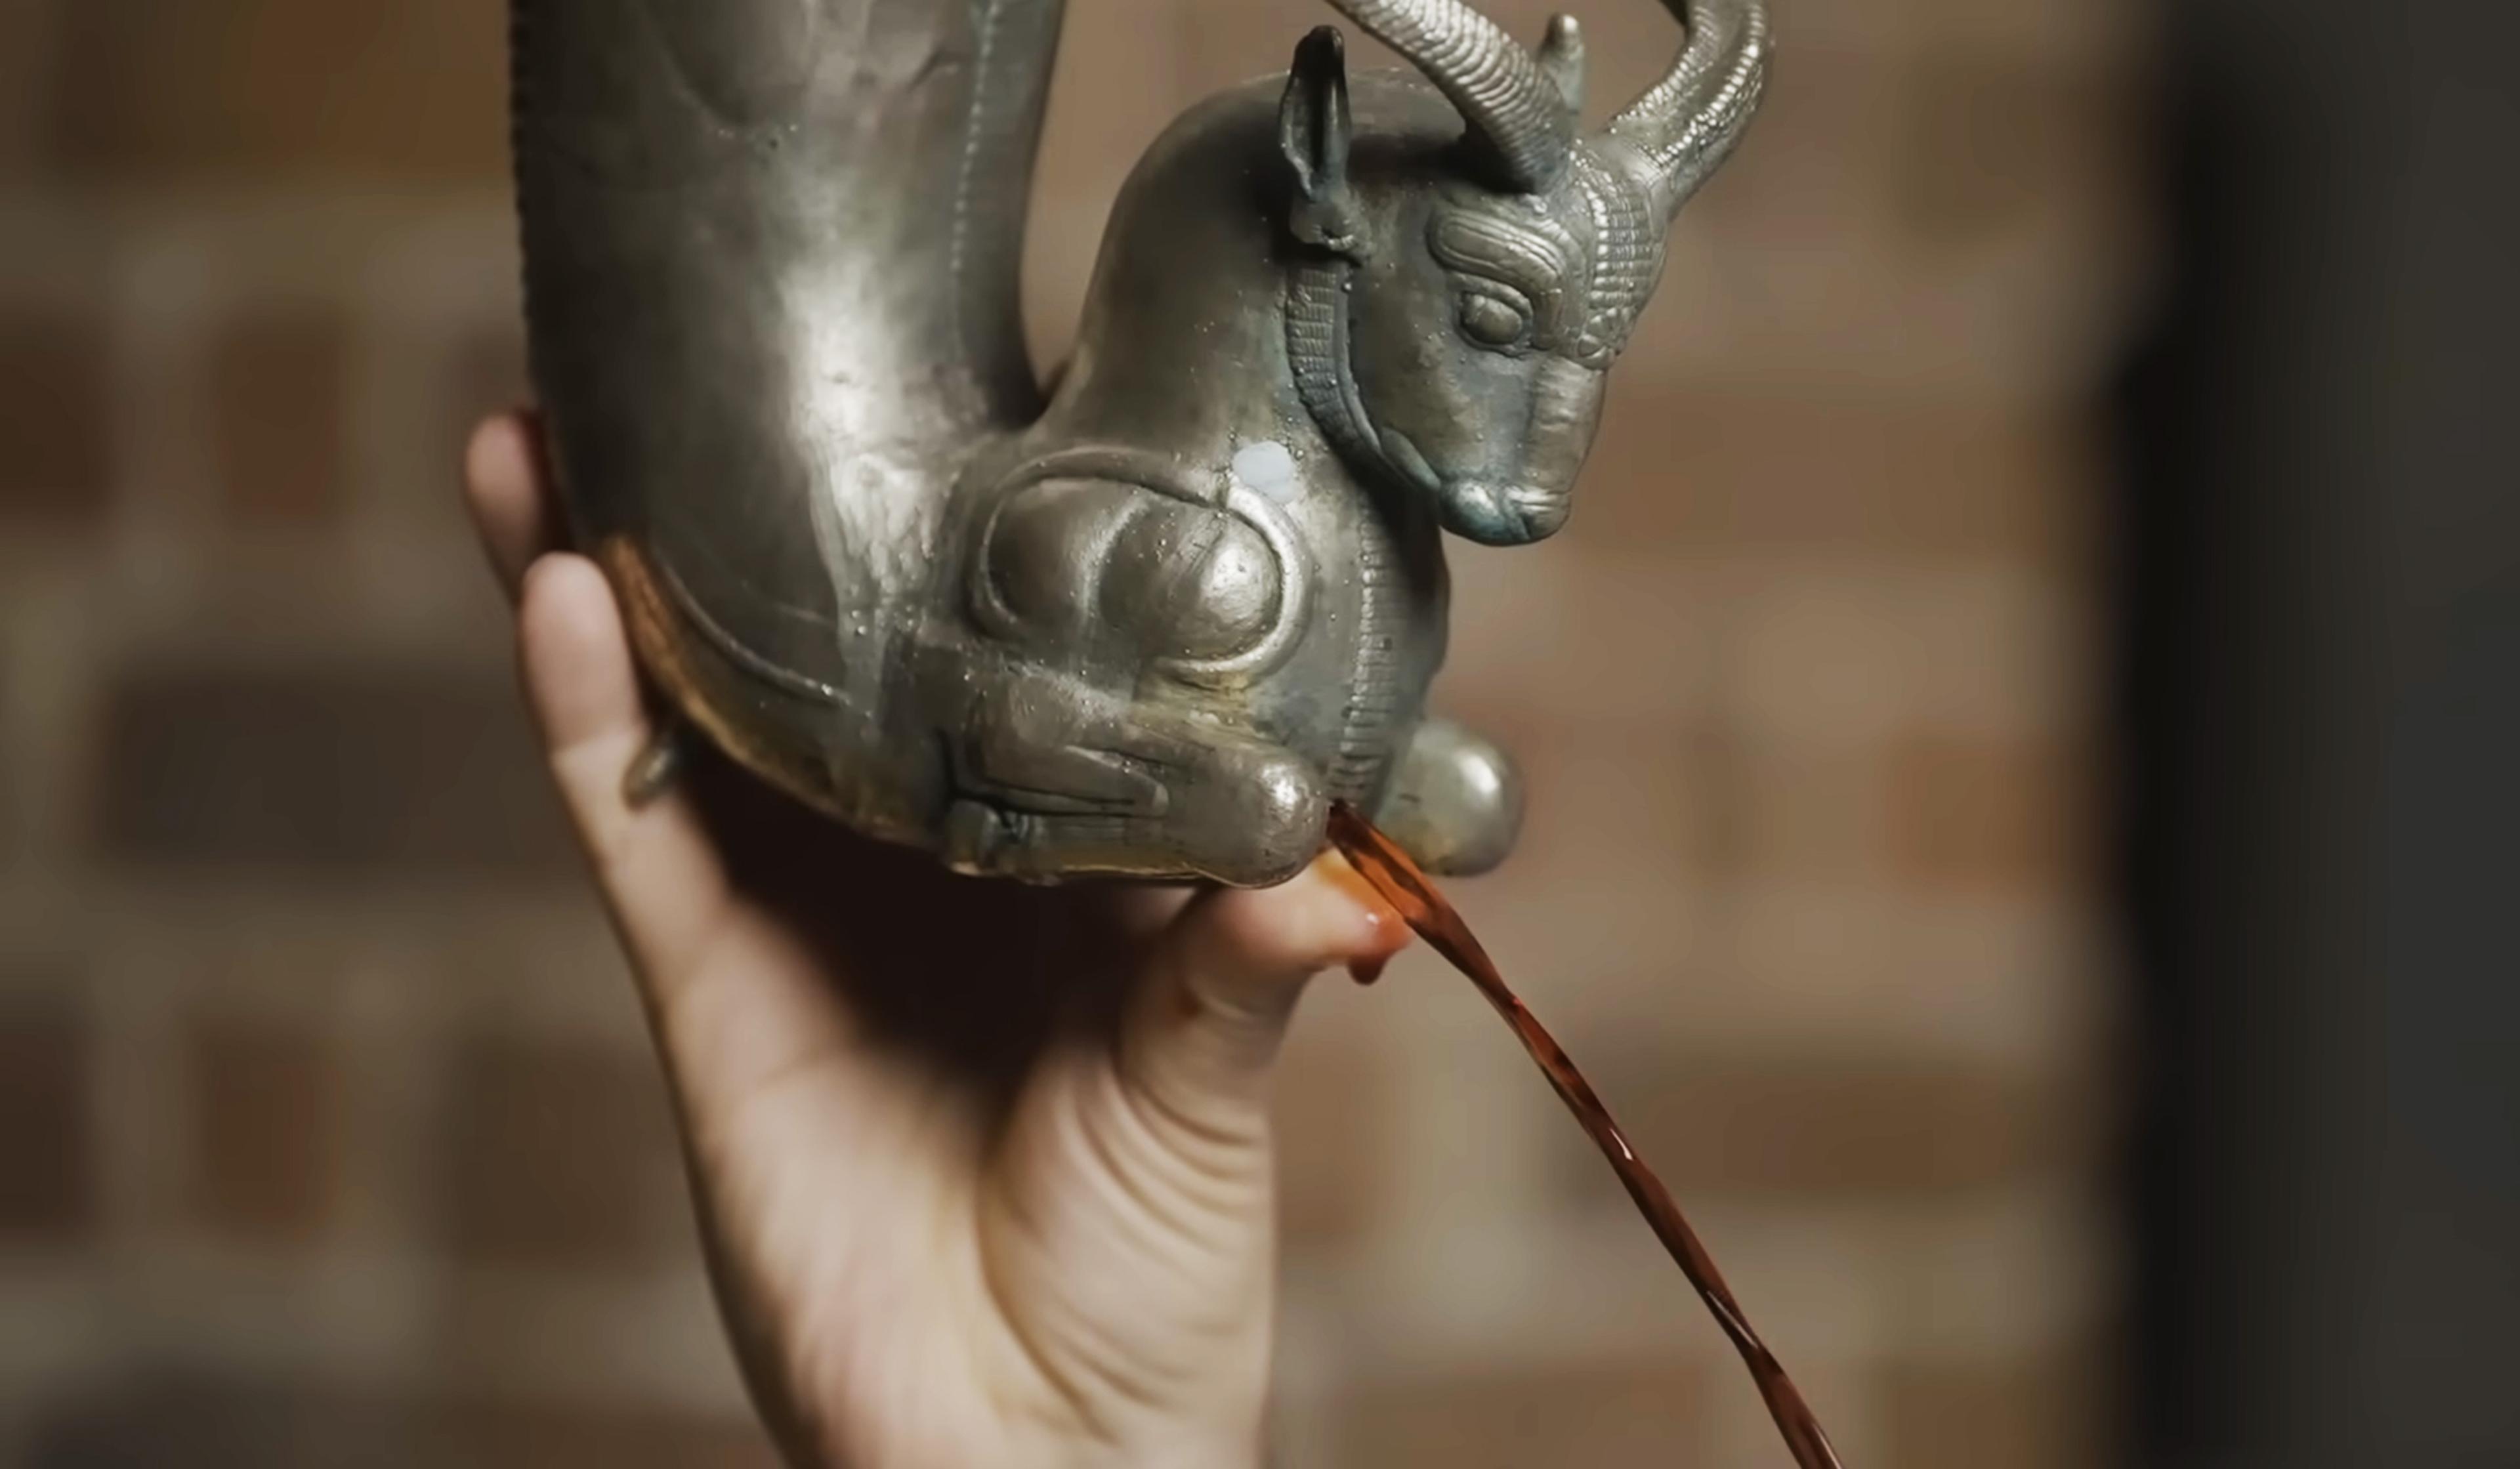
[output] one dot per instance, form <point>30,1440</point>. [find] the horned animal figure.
<point>1156,621</point>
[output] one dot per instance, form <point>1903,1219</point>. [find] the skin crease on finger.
<point>1063,1256</point>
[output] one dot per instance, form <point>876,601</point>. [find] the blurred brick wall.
<point>326,1134</point>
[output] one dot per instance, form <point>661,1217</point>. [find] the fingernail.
<point>1379,931</point>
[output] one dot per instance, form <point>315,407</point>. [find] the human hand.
<point>984,1171</point>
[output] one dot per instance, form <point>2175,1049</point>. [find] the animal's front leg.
<point>1059,778</point>
<point>1454,800</point>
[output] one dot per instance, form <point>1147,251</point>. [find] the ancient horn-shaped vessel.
<point>1152,621</point>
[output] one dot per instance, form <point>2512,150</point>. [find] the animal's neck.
<point>1183,346</point>
<point>1191,367</point>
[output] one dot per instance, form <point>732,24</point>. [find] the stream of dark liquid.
<point>1380,863</point>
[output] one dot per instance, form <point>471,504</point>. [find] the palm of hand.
<point>984,1171</point>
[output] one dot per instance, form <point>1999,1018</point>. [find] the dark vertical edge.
<point>2320,576</point>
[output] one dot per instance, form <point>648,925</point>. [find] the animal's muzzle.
<point>1532,504</point>
<point>1495,515</point>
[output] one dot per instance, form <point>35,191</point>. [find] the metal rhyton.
<point>1155,619</point>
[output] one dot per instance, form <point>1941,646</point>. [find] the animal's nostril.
<point>1493,505</point>
<point>1543,511</point>
<point>1493,514</point>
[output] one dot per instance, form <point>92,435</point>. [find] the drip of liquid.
<point>1398,881</point>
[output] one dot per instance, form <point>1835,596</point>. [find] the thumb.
<point>1221,987</point>
<point>1130,1233</point>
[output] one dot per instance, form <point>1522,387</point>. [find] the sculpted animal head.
<point>1462,306</point>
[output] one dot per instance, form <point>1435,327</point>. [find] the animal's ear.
<point>1562,59</point>
<point>1313,130</point>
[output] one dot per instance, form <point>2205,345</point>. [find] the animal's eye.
<point>1492,321</point>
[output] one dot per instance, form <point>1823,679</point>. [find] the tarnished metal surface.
<point>1154,622</point>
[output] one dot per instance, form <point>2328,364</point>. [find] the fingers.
<point>1222,987</point>
<point>736,1006</point>
<point>508,496</point>
<point>660,873</point>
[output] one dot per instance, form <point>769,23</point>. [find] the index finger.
<point>507,490</point>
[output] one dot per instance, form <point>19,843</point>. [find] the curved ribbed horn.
<point>1511,105</point>
<point>1685,124</point>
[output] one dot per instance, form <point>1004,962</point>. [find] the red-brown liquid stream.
<point>1381,864</point>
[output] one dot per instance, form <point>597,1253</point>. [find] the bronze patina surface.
<point>1153,620</point>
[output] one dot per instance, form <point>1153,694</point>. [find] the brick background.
<point>277,395</point>
<point>48,1191</point>
<point>265,1104</point>
<point>52,378</point>
<point>327,1131</point>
